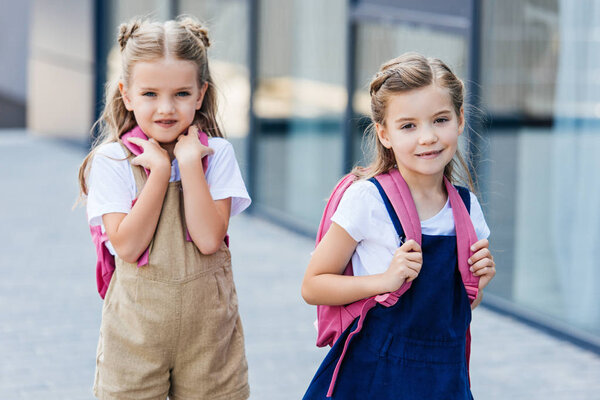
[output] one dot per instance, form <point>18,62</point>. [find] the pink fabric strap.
<point>137,150</point>
<point>465,237</point>
<point>399,194</point>
<point>366,305</point>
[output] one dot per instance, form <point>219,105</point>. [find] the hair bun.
<point>126,31</point>
<point>196,29</point>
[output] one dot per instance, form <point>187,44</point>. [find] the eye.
<point>410,125</point>
<point>149,94</point>
<point>441,120</point>
<point>183,94</point>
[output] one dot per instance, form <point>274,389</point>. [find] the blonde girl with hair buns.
<point>414,349</point>
<point>170,328</point>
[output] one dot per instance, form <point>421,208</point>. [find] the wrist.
<point>161,171</point>
<point>190,161</point>
<point>384,284</point>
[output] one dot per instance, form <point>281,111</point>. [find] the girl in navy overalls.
<point>416,348</point>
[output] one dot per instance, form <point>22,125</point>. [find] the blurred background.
<point>293,80</point>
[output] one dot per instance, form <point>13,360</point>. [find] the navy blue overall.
<point>414,350</point>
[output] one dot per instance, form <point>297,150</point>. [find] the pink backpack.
<point>105,261</point>
<point>332,321</point>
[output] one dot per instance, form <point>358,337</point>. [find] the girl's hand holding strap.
<point>482,265</point>
<point>130,234</point>
<point>404,267</point>
<point>189,148</point>
<point>154,157</point>
<point>324,283</point>
<point>207,220</point>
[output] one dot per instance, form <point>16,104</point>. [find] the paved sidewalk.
<point>50,311</point>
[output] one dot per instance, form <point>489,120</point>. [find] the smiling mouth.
<point>165,122</point>
<point>429,154</point>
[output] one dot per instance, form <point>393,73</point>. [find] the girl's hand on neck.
<point>153,158</point>
<point>188,148</point>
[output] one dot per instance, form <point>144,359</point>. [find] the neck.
<point>423,185</point>
<point>428,192</point>
<point>170,148</point>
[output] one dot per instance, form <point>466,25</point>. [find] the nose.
<point>166,106</point>
<point>427,135</point>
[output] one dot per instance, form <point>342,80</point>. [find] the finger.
<point>410,245</point>
<point>415,266</point>
<point>193,129</point>
<point>210,151</point>
<point>411,275</point>
<point>486,262</point>
<point>479,255</point>
<point>138,141</point>
<point>416,256</point>
<point>136,161</point>
<point>480,244</point>
<point>485,271</point>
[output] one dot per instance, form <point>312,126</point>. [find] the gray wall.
<point>61,68</point>
<point>14,38</point>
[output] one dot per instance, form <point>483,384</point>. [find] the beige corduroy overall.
<point>172,328</point>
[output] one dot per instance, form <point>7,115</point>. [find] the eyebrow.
<point>176,90</point>
<point>403,119</point>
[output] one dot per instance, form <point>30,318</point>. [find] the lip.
<point>165,123</point>
<point>427,155</point>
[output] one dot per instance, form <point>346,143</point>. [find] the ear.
<point>383,136</point>
<point>201,95</point>
<point>124,96</point>
<point>461,121</point>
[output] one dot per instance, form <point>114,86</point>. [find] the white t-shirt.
<point>112,185</point>
<point>362,213</point>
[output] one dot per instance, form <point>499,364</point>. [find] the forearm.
<point>205,222</point>
<point>136,229</point>
<point>333,289</point>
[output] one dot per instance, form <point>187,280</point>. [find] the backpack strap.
<point>332,205</point>
<point>137,150</point>
<point>389,207</point>
<point>465,237</point>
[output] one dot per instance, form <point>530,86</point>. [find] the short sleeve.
<point>355,211</point>
<point>224,177</point>
<point>481,228</point>
<point>111,185</point>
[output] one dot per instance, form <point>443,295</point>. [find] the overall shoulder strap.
<point>397,191</point>
<point>465,195</point>
<point>139,174</point>
<point>389,207</point>
<point>204,140</point>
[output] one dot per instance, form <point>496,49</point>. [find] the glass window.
<point>540,185</point>
<point>519,57</point>
<point>227,21</point>
<point>299,104</point>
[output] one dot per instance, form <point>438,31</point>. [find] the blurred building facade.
<point>293,76</point>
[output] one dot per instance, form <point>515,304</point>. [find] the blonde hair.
<point>143,40</point>
<point>404,73</point>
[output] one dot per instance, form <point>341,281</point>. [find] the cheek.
<point>402,142</point>
<point>141,107</point>
<point>189,110</point>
